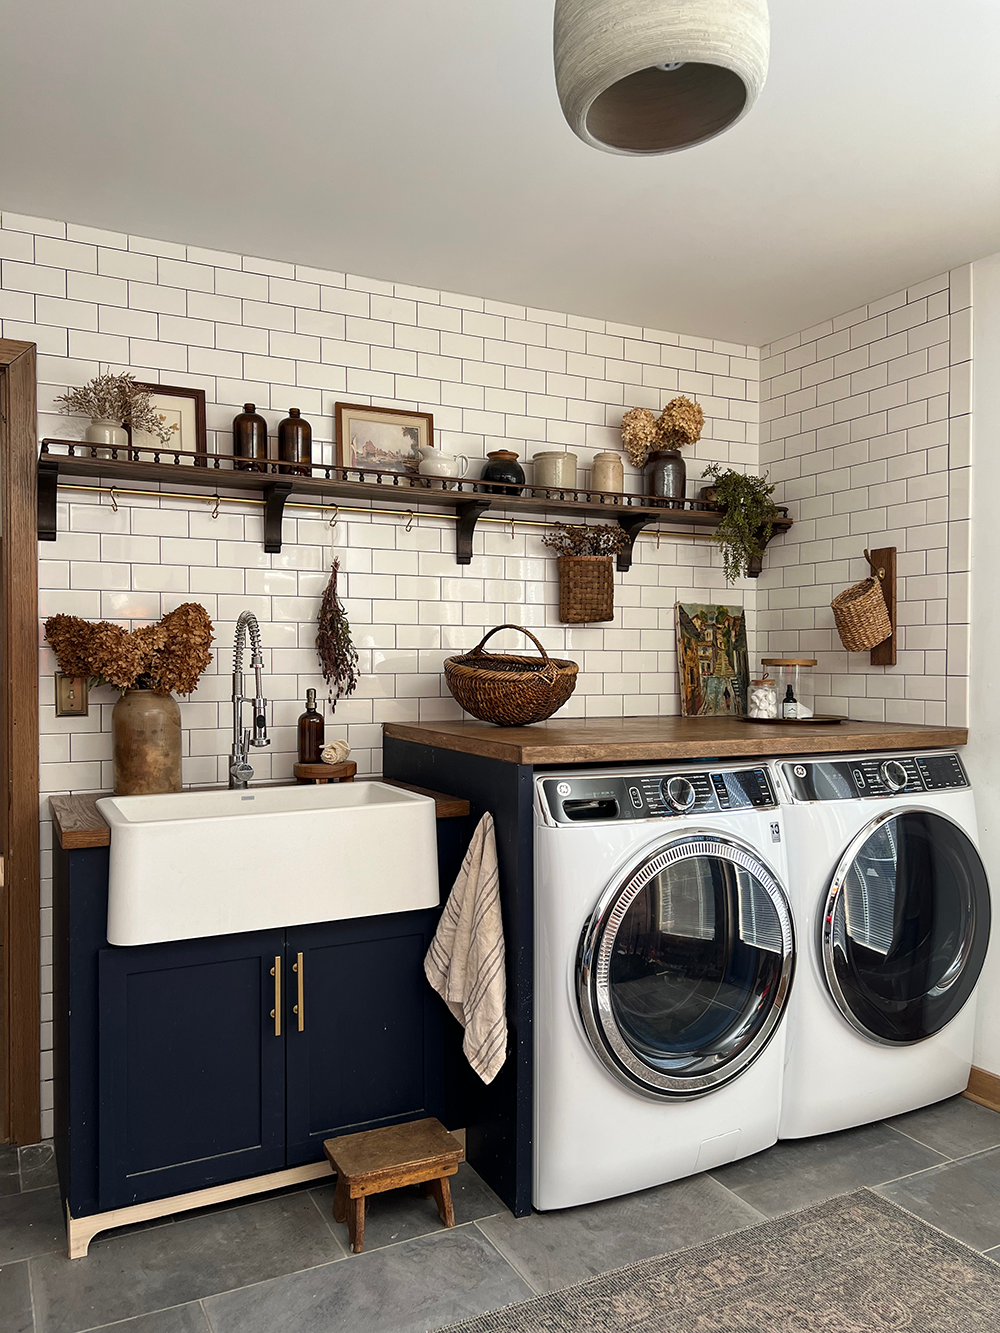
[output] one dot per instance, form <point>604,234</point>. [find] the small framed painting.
<point>182,411</point>
<point>384,438</point>
<point>712,660</point>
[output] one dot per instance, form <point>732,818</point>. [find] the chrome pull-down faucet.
<point>240,771</point>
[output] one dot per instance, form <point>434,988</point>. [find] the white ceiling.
<point>421,141</point>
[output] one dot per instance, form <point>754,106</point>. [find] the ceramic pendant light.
<point>654,76</point>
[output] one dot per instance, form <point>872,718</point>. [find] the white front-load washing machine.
<point>892,917</point>
<point>664,954</point>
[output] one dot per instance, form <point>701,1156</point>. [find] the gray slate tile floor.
<point>281,1263</point>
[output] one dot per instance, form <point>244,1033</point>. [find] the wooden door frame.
<point>20,976</point>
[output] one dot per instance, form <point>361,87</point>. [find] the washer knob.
<point>678,793</point>
<point>894,775</point>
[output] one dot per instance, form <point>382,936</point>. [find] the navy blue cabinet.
<point>191,1066</point>
<point>364,1049</point>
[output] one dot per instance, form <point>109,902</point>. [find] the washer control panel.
<point>873,775</point>
<point>650,795</point>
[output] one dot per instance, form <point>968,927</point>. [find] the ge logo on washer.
<point>564,789</point>
<point>800,770</point>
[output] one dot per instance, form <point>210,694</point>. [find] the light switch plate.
<point>72,696</point>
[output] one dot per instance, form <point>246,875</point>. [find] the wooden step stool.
<point>421,1152</point>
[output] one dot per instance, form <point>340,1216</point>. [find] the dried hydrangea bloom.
<point>639,434</point>
<point>117,657</point>
<point>69,638</point>
<point>183,656</point>
<point>680,423</point>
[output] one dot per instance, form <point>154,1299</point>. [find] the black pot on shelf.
<point>503,466</point>
<point>665,474</point>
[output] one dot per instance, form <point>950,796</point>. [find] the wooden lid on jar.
<point>788,661</point>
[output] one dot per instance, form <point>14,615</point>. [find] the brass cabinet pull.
<point>300,1008</point>
<point>276,1011</point>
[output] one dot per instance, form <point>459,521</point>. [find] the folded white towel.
<point>465,963</point>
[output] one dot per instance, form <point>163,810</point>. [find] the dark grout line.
<point>327,1216</point>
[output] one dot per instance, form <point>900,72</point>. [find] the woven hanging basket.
<point>862,616</point>
<point>586,589</point>
<point>509,690</point>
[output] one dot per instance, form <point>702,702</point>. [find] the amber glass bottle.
<point>250,439</point>
<point>310,732</point>
<point>295,443</point>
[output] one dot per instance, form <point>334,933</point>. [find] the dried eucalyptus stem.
<point>337,654</point>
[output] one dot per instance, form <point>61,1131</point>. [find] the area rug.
<point>855,1264</point>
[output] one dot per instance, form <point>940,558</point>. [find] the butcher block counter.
<point>599,740</point>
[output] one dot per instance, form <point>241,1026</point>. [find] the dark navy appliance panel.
<point>365,1047</point>
<point>906,926</point>
<point>685,967</point>
<point>191,1069</point>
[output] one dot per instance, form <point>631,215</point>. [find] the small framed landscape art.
<point>712,661</point>
<point>384,439</point>
<point>182,411</point>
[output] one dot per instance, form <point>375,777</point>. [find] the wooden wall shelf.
<point>469,500</point>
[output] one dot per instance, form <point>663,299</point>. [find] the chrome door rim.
<point>593,969</point>
<point>828,922</point>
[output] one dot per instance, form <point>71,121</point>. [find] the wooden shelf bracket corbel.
<point>883,566</point>
<point>48,494</point>
<point>632,527</point>
<point>275,496</point>
<point>468,516</point>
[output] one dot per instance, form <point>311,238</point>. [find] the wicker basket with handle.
<point>586,589</point>
<point>507,689</point>
<point>861,615</point>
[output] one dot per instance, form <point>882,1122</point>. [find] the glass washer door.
<point>685,967</point>
<point>905,926</point>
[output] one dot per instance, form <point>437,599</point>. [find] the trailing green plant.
<point>337,654</point>
<point>583,539</point>
<point>116,398</point>
<point>747,520</point>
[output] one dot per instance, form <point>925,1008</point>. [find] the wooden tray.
<point>326,772</point>
<point>824,718</point>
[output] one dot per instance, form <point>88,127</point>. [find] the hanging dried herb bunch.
<point>167,657</point>
<point>681,422</point>
<point>337,654</point>
<point>579,539</point>
<point>116,398</point>
<point>748,518</point>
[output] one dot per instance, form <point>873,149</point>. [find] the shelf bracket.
<point>275,496</point>
<point>632,527</point>
<point>468,516</point>
<point>48,492</point>
<point>755,565</point>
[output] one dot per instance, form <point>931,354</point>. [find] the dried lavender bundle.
<point>337,654</point>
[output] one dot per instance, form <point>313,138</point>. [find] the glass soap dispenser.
<point>311,732</point>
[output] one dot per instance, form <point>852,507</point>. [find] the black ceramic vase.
<point>502,465</point>
<point>665,475</point>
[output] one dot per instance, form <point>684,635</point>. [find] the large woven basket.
<point>862,616</point>
<point>586,589</point>
<point>507,689</point>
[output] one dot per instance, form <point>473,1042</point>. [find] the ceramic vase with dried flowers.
<point>654,444</point>
<point>146,664</point>
<point>114,402</point>
<point>586,573</point>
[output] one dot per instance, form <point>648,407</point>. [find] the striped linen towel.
<point>465,963</point>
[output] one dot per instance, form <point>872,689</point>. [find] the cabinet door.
<point>368,1051</point>
<point>191,1066</point>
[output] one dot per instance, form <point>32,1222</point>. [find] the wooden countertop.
<point>78,823</point>
<point>623,740</point>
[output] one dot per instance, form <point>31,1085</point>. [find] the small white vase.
<point>108,434</point>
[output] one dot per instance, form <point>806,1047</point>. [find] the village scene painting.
<point>712,660</point>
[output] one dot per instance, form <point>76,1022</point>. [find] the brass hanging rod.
<point>115,494</point>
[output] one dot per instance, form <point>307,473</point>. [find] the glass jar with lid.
<point>762,697</point>
<point>795,690</point>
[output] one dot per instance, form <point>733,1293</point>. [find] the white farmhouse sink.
<point>214,862</point>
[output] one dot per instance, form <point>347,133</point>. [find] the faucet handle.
<point>241,771</point>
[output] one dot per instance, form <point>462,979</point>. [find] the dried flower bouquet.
<point>167,657</point>
<point>116,398</point>
<point>681,422</point>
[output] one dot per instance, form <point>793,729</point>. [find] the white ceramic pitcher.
<point>444,467</point>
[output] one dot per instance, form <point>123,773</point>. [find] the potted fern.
<point>586,574</point>
<point>747,519</point>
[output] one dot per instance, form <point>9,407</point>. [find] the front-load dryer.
<point>892,917</point>
<point>664,955</point>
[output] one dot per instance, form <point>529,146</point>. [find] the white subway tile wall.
<point>865,427</point>
<point>280,335</point>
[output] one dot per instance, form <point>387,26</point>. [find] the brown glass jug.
<point>250,440</point>
<point>310,731</point>
<point>295,444</point>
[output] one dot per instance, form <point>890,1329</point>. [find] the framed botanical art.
<point>182,411</point>
<point>388,439</point>
<point>712,660</point>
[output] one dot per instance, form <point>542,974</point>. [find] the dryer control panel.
<point>873,775</point>
<point>651,794</point>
